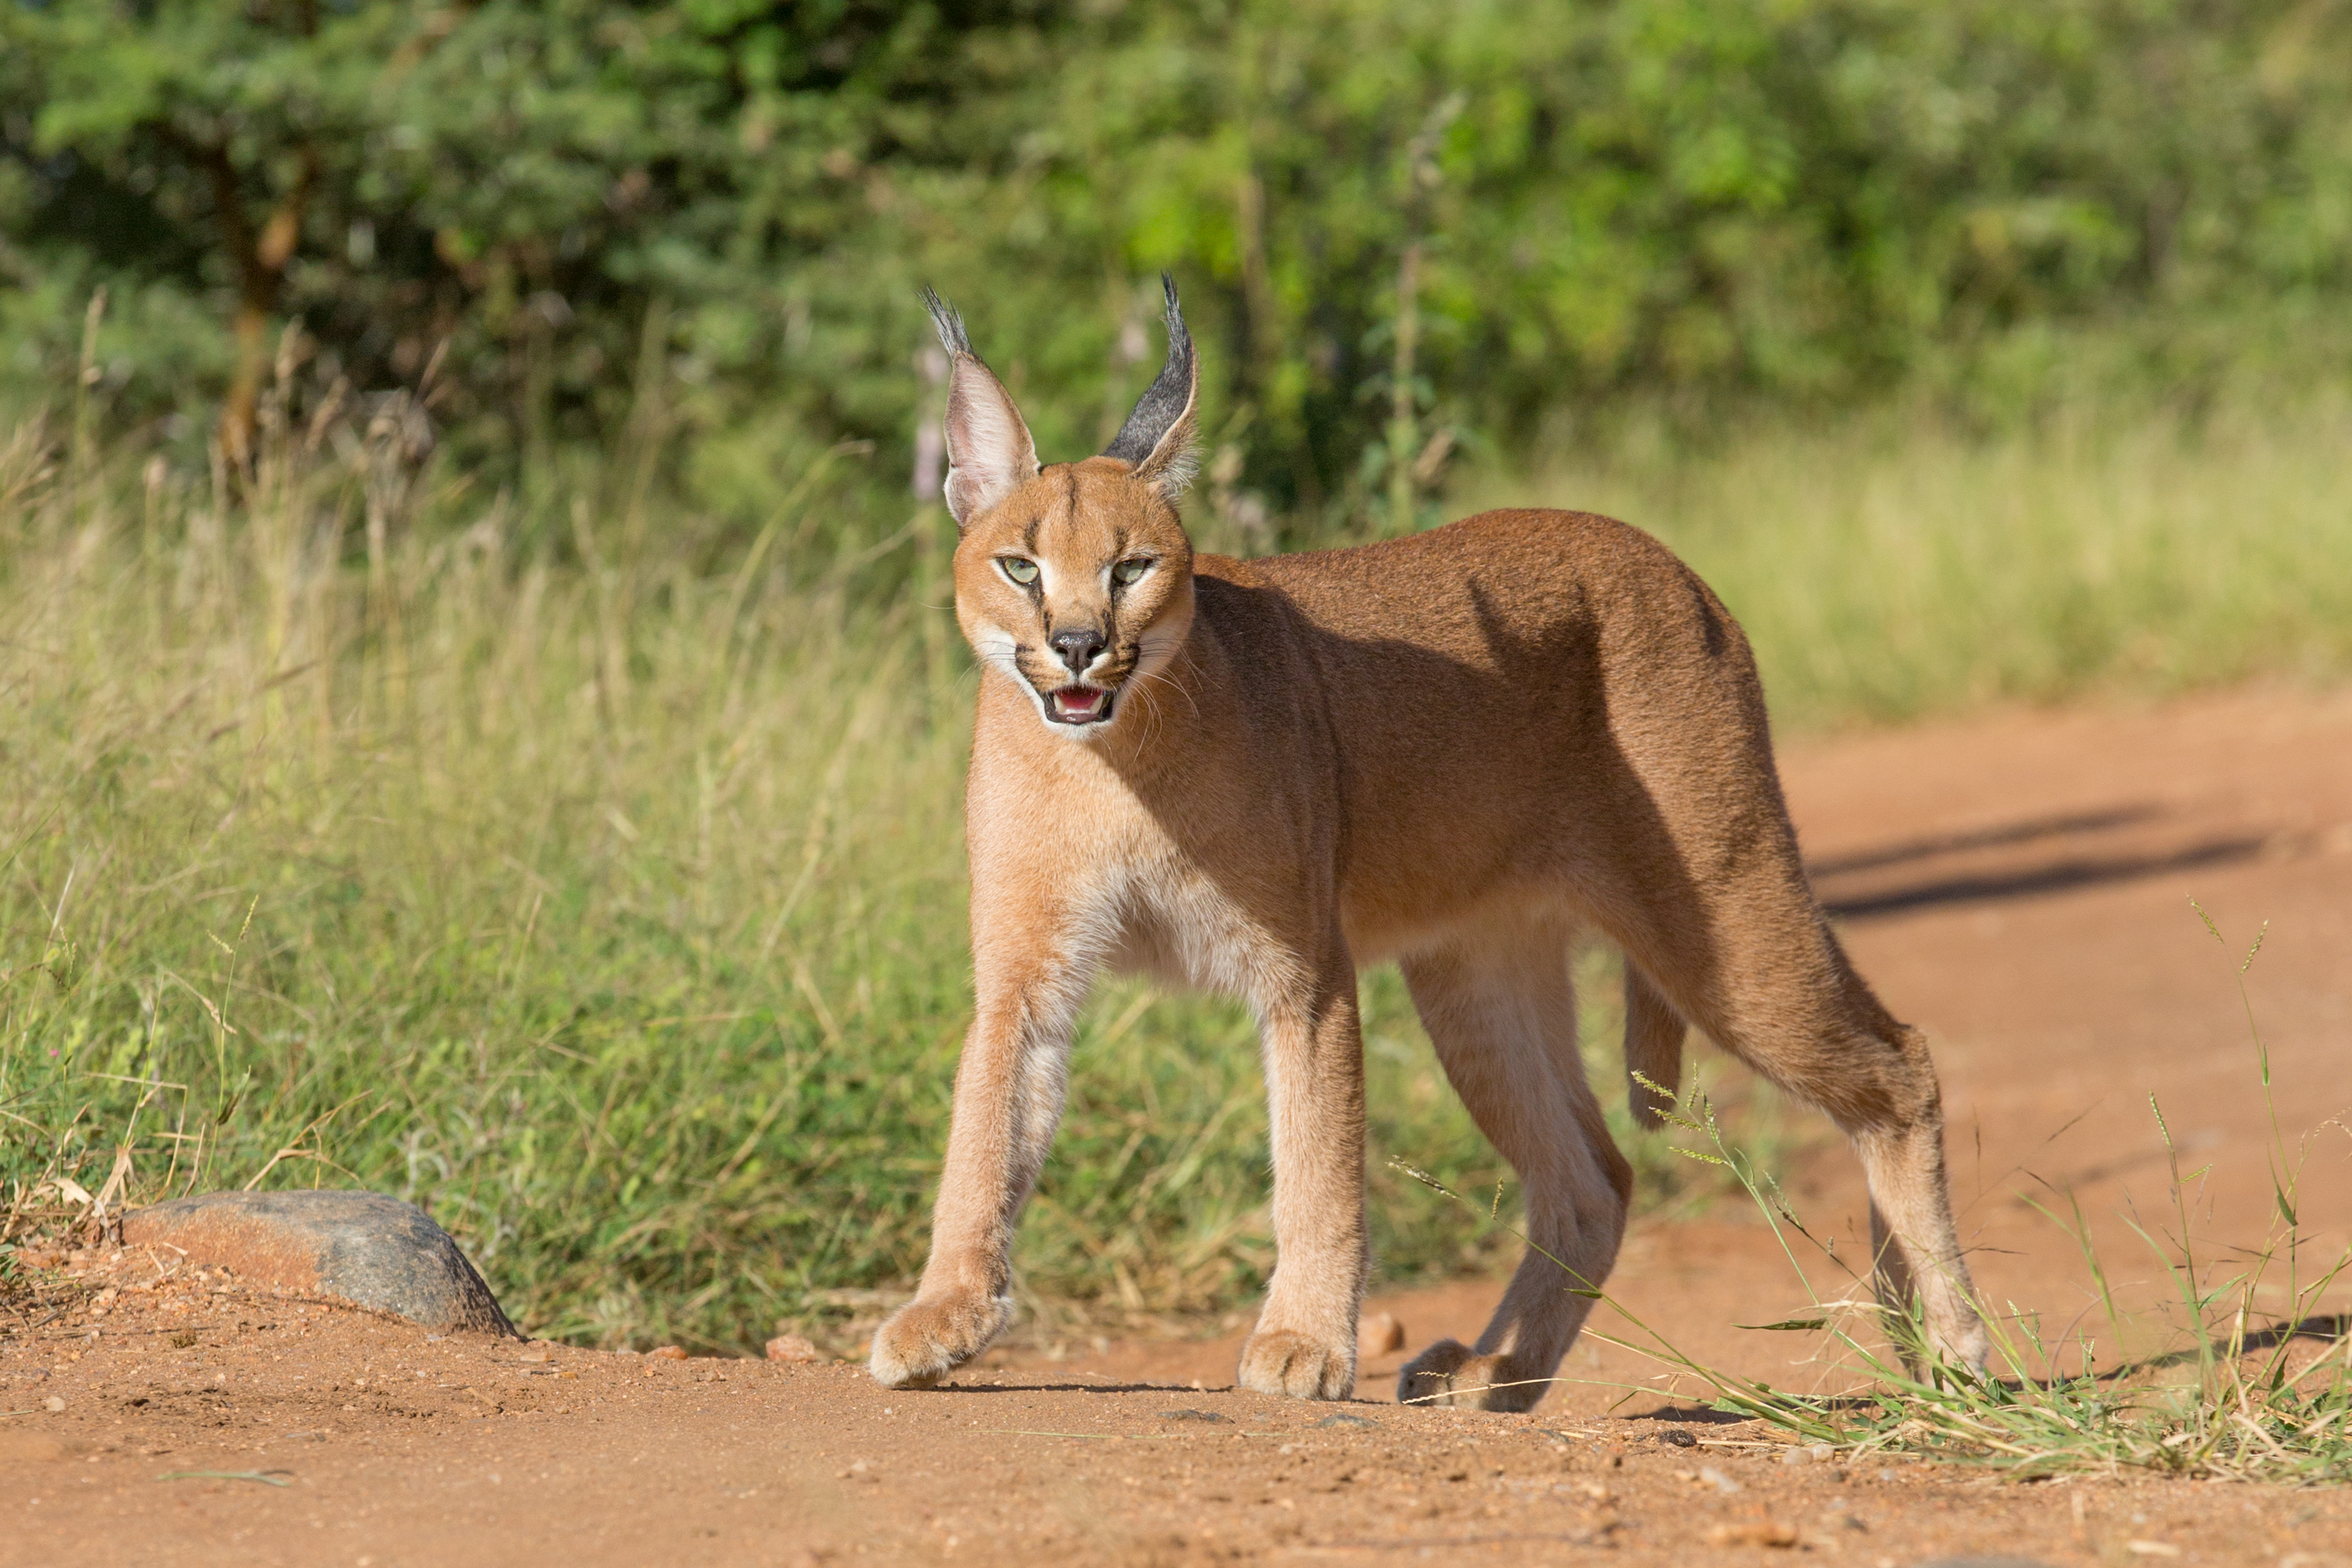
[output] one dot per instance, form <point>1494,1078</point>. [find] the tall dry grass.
<point>1893,565</point>
<point>592,875</point>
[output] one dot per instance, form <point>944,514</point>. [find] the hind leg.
<point>1773,986</point>
<point>1501,1009</point>
<point>1681,849</point>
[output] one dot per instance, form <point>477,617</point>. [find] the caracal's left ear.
<point>990,453</point>
<point>1157,438</point>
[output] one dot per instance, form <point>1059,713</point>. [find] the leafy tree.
<point>522,179</point>
<point>1398,225</point>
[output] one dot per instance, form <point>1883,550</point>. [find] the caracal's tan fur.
<point>1452,751</point>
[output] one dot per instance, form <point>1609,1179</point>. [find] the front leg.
<point>1305,1342</point>
<point>1008,1099</point>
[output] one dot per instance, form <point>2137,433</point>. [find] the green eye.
<point>1128,571</point>
<point>1020,570</point>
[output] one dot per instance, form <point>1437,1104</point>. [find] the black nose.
<point>1078,647</point>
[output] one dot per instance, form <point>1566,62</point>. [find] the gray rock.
<point>368,1249</point>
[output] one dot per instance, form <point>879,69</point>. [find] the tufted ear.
<point>1157,438</point>
<point>989,450</point>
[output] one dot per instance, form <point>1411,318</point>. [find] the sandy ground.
<point>2017,886</point>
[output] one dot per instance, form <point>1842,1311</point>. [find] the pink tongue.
<point>1078,703</point>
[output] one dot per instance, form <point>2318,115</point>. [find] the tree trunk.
<point>260,260</point>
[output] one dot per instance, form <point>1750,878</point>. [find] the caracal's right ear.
<point>990,453</point>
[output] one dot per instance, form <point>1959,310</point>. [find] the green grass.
<point>593,876</point>
<point>609,905</point>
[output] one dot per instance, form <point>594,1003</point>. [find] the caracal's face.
<point>1078,586</point>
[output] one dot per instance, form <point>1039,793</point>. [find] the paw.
<point>1964,1345</point>
<point>1277,1361</point>
<point>1450,1372</point>
<point>924,1340</point>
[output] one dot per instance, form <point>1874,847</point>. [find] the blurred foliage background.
<point>477,700</point>
<point>1560,210</point>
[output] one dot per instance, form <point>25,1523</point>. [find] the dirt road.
<point>2017,886</point>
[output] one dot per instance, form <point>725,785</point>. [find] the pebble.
<point>53,1404</point>
<point>790,1347</point>
<point>668,1352</point>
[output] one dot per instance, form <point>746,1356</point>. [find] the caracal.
<point>1452,751</point>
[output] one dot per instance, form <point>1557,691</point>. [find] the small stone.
<point>1378,1335</point>
<point>790,1347</point>
<point>537,1352</point>
<point>1675,1439</point>
<point>1717,1480</point>
<point>361,1246</point>
<point>1344,1419</point>
<point>668,1352</point>
<point>53,1404</point>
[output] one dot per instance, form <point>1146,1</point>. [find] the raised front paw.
<point>924,1340</point>
<point>1277,1361</point>
<point>1450,1372</point>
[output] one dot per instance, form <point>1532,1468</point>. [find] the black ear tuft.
<point>952,337</point>
<point>1165,409</point>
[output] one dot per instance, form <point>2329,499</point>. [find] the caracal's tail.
<point>1654,1049</point>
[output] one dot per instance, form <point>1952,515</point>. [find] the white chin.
<point>1081,733</point>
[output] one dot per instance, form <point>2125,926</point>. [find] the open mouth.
<point>1078,705</point>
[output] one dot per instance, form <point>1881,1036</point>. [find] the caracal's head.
<point>1075,580</point>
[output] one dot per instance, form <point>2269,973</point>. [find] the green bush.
<point>1696,199</point>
